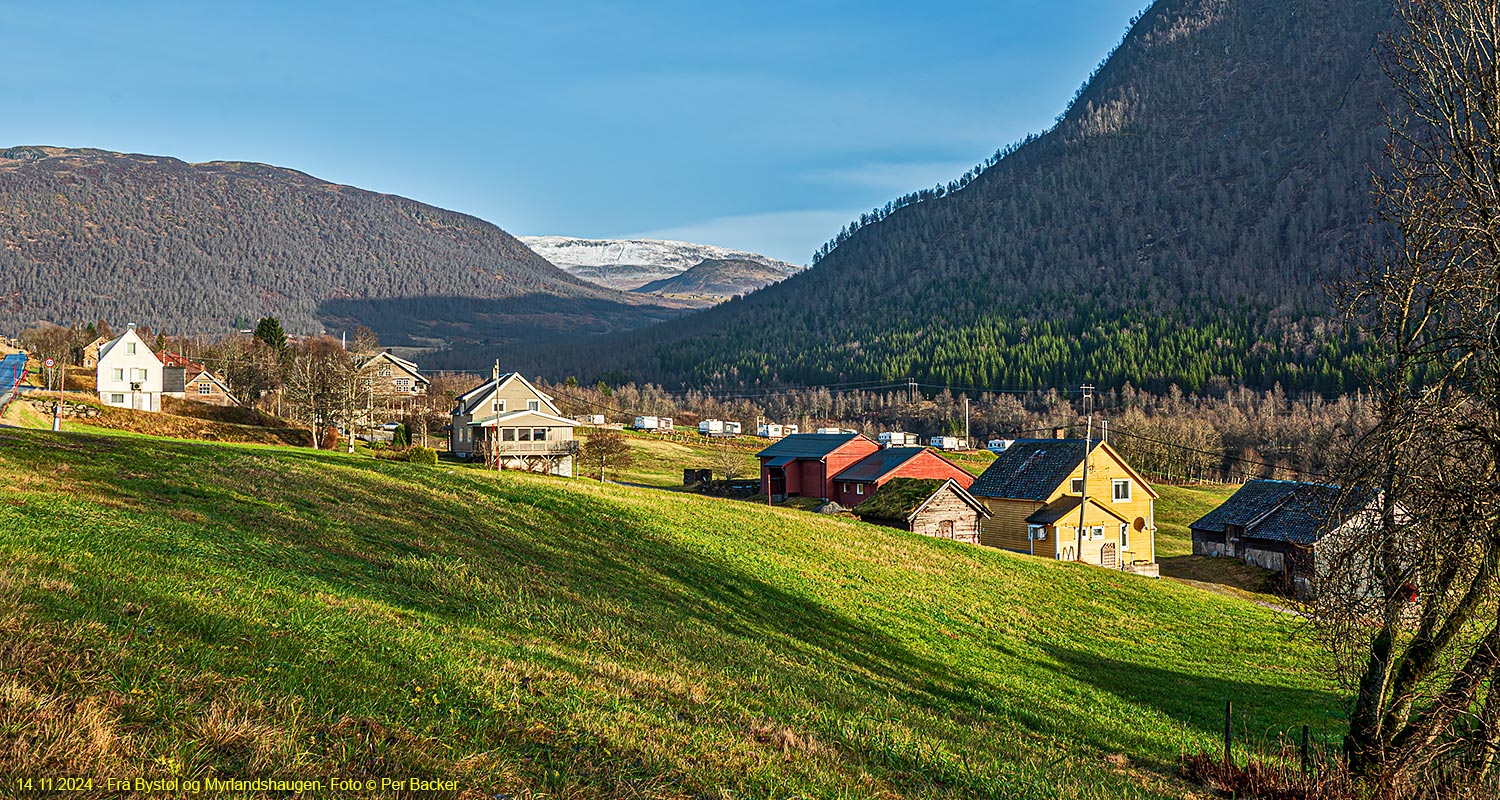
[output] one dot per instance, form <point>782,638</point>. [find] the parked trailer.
<point>1000,445</point>
<point>770,430</point>
<point>836,430</point>
<point>900,439</point>
<point>709,427</point>
<point>948,443</point>
<point>591,419</point>
<point>646,423</point>
<point>733,428</point>
<point>789,430</point>
<point>664,424</point>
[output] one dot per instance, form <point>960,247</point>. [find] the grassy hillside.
<point>1177,508</point>
<point>198,609</point>
<point>659,462</point>
<point>180,419</point>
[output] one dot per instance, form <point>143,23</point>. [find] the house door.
<point>1109,556</point>
<point>945,529</point>
<point>778,482</point>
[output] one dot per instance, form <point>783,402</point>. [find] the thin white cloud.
<point>791,236</point>
<point>894,177</point>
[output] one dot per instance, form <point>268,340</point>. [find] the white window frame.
<point>533,405</point>
<point>137,375</point>
<point>499,406</point>
<point>1124,536</point>
<point>1036,533</point>
<point>119,374</point>
<point>1114,490</point>
<point>205,388</point>
<point>859,488</point>
<point>130,348</point>
<point>1078,486</point>
<point>117,398</point>
<point>1096,532</point>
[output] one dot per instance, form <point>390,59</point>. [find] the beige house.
<point>1048,499</point>
<point>390,377</point>
<point>91,352</point>
<point>507,423</point>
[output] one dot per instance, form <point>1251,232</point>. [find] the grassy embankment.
<point>179,419</point>
<point>196,609</point>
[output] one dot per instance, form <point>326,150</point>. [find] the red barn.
<point>855,484</point>
<point>802,465</point>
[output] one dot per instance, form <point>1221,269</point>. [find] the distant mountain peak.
<point>632,264</point>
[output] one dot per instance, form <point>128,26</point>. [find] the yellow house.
<point>1044,502</point>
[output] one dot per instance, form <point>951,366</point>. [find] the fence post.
<point>1304,752</point>
<point>1228,732</point>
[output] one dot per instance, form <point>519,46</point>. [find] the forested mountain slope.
<point>1181,222</point>
<point>714,278</point>
<point>190,248</point>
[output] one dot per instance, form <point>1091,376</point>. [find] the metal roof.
<point>808,445</point>
<point>1031,469</point>
<point>875,465</point>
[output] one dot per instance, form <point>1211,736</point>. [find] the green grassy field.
<point>659,462</point>
<point>1177,508</point>
<point>191,609</point>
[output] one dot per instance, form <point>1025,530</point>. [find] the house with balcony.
<point>128,374</point>
<point>506,423</point>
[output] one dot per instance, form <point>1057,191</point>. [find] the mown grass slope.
<point>201,609</point>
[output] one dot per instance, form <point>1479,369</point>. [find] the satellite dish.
<point>1140,523</point>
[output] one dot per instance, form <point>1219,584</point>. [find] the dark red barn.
<point>802,465</point>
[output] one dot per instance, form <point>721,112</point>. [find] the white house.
<point>129,374</point>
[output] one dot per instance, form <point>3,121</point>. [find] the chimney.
<point>1059,433</point>
<point>130,327</point>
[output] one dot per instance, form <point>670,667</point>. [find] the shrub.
<point>422,455</point>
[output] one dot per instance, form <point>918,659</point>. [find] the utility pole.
<point>911,390</point>
<point>1083,502</point>
<point>57,410</point>
<point>967,443</point>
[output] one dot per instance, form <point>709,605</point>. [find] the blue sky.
<point>764,126</point>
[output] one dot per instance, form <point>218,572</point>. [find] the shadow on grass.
<point>1263,710</point>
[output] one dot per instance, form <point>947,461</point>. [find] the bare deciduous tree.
<point>1411,602</point>
<point>603,451</point>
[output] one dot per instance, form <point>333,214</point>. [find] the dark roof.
<point>1030,469</point>
<point>1063,506</point>
<point>808,445</point>
<point>1285,511</point>
<point>1247,504</point>
<point>1055,510</point>
<point>899,498</point>
<point>875,465</point>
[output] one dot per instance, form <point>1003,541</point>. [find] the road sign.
<point>50,363</point>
